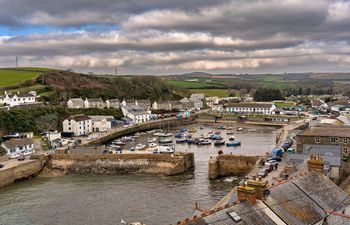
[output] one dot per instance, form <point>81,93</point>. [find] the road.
<point>13,163</point>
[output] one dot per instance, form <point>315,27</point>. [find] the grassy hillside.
<point>14,76</point>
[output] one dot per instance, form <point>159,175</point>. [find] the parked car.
<point>262,173</point>
<point>271,163</point>
<point>268,167</point>
<point>1,165</point>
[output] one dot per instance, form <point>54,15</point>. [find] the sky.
<point>177,36</point>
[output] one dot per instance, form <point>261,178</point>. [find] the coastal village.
<point>295,182</point>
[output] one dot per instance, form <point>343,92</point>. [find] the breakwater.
<point>230,165</point>
<point>21,171</point>
<point>118,164</point>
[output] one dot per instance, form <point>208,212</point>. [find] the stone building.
<point>325,135</point>
<point>78,125</point>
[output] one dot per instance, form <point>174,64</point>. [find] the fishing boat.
<point>117,147</point>
<point>240,129</point>
<point>233,143</point>
<point>151,140</point>
<point>126,139</point>
<point>232,138</point>
<point>140,147</point>
<point>229,132</point>
<point>204,142</point>
<point>217,132</point>
<point>201,128</point>
<point>219,142</point>
<point>181,140</point>
<point>251,130</point>
<point>229,128</point>
<point>192,130</point>
<point>118,142</point>
<point>165,140</point>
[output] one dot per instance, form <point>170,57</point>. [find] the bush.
<point>2,151</point>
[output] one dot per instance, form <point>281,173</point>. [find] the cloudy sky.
<point>177,36</point>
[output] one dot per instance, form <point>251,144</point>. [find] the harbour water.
<point>108,199</point>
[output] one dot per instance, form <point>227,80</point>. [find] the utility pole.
<point>116,71</point>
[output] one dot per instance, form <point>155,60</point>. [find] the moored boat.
<point>192,130</point>
<point>181,140</point>
<point>140,147</point>
<point>229,128</point>
<point>221,127</point>
<point>151,140</point>
<point>232,138</point>
<point>165,140</point>
<point>204,142</point>
<point>183,129</point>
<point>240,129</point>
<point>219,142</point>
<point>233,143</point>
<point>217,132</point>
<point>229,132</point>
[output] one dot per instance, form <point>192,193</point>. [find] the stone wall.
<point>21,171</point>
<point>231,165</point>
<point>160,164</point>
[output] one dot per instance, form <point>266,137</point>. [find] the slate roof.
<point>249,213</point>
<point>14,142</point>
<point>293,206</point>
<point>326,131</point>
<point>323,191</point>
<point>251,105</point>
<point>78,118</point>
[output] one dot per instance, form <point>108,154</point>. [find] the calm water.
<point>153,200</point>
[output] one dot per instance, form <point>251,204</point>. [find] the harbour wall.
<point>21,171</point>
<point>231,165</point>
<point>156,124</point>
<point>118,164</point>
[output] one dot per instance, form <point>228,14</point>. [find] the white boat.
<point>232,138</point>
<point>165,135</point>
<point>240,129</point>
<point>152,146</point>
<point>140,147</point>
<point>151,140</point>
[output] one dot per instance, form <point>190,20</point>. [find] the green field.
<point>9,77</point>
<point>282,104</point>
<point>190,84</point>
<point>212,92</point>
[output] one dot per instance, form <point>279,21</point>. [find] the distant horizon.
<point>174,37</point>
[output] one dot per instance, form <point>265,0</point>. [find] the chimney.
<point>315,163</point>
<point>259,185</point>
<point>246,193</point>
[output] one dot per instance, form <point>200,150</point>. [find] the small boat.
<point>181,140</point>
<point>217,132</point>
<point>140,147</point>
<point>240,129</point>
<point>229,128</point>
<point>233,143</point>
<point>190,141</point>
<point>192,130</point>
<point>221,127</point>
<point>183,129</point>
<point>115,146</point>
<point>126,139</point>
<point>251,130</point>
<point>210,132</point>
<point>158,134</point>
<point>229,132</point>
<point>219,142</point>
<point>151,140</point>
<point>204,142</point>
<point>165,140</point>
<point>165,135</point>
<point>132,149</point>
<point>118,142</point>
<point>152,146</point>
<point>232,138</point>
<point>179,135</point>
<point>201,128</point>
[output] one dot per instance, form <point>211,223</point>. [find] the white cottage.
<point>251,108</point>
<point>17,99</point>
<point>75,103</point>
<point>136,113</point>
<point>15,147</point>
<point>101,123</point>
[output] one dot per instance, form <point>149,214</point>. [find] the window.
<point>346,150</point>
<point>317,139</point>
<point>334,140</point>
<point>346,141</point>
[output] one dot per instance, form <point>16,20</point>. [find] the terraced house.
<point>325,135</point>
<point>251,108</point>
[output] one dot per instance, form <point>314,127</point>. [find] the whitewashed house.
<point>251,108</point>
<point>75,103</point>
<point>101,123</point>
<point>78,125</point>
<point>211,101</point>
<point>15,147</point>
<point>113,103</point>
<point>136,113</point>
<point>17,99</point>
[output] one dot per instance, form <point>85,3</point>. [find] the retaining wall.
<point>230,165</point>
<point>21,171</point>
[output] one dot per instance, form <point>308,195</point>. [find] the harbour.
<point>108,199</point>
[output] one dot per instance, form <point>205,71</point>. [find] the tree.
<point>2,151</point>
<point>267,94</point>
